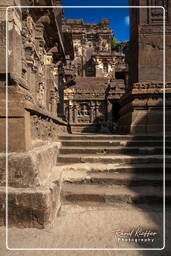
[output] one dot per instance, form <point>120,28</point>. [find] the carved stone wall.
<point>45,128</point>
<point>90,103</point>
<point>36,72</point>
<point>36,60</point>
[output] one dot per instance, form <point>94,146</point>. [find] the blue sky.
<point>119,17</point>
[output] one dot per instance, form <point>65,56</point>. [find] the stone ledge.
<point>29,169</point>
<point>30,207</point>
<point>37,110</point>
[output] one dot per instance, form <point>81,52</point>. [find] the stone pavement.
<point>91,227</point>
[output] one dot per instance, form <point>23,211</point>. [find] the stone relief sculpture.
<point>104,45</point>
<point>41,94</point>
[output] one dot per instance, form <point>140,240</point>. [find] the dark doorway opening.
<point>115,111</point>
<point>90,68</point>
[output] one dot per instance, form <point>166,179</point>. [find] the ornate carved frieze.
<point>151,85</point>
<point>86,112</point>
<point>44,128</point>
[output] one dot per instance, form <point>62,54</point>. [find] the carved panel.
<point>45,128</point>
<point>84,112</point>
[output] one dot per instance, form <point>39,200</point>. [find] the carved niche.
<point>41,95</point>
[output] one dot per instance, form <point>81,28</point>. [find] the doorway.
<point>115,112</point>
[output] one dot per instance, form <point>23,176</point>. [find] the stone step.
<point>93,168</point>
<point>114,178</point>
<point>113,150</point>
<point>109,159</point>
<point>113,137</point>
<point>111,143</point>
<point>77,193</point>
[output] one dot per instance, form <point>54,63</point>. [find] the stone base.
<point>139,121</point>
<point>142,109</point>
<point>31,207</point>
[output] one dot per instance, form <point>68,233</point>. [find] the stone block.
<point>142,109</point>
<point>29,169</point>
<point>28,208</point>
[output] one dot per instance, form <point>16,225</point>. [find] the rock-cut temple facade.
<point>61,77</point>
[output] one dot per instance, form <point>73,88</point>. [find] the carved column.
<point>76,113</point>
<point>60,109</point>
<point>97,113</point>
<point>83,60</point>
<point>53,101</point>
<point>109,110</point>
<point>96,109</point>
<point>92,112</point>
<point>70,111</point>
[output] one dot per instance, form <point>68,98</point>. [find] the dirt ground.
<point>92,227</point>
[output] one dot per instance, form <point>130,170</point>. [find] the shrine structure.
<point>92,104</point>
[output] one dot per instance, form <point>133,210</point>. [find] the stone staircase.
<point>110,169</point>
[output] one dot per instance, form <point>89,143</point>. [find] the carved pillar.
<point>97,109</point>
<point>53,101</point>
<point>83,61</point>
<point>76,113</point>
<point>60,109</point>
<point>109,110</point>
<point>70,112</point>
<point>92,112</point>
